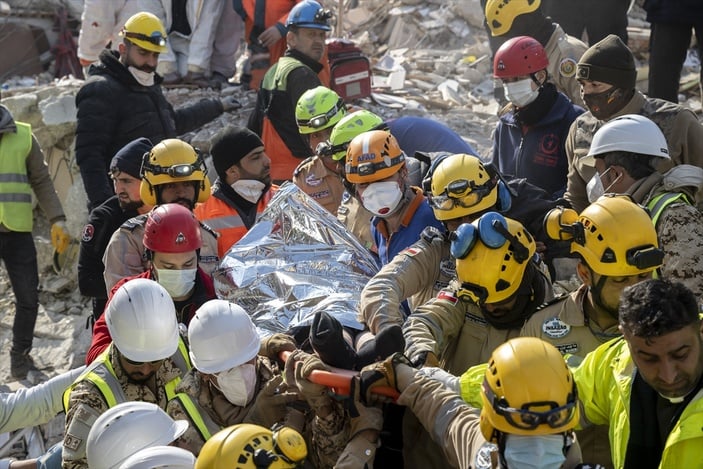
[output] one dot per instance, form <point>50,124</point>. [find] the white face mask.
<point>539,451</point>
<point>382,198</point>
<point>178,283</point>
<point>520,93</point>
<point>238,384</point>
<point>595,189</point>
<point>143,78</point>
<point>249,189</point>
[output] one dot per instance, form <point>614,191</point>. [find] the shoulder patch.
<point>555,328</point>
<point>567,67</point>
<point>447,295</point>
<point>430,233</point>
<point>448,267</point>
<point>88,233</point>
<point>411,251</point>
<point>484,459</point>
<point>71,442</point>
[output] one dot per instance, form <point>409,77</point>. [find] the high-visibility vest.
<point>657,205</point>
<point>15,191</point>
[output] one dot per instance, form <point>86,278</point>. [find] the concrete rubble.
<point>430,58</point>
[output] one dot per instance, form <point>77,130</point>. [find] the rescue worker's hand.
<point>363,418</point>
<point>270,404</point>
<point>60,239</point>
<point>272,346</point>
<point>298,368</point>
<point>395,372</point>
<point>270,36</point>
<point>425,358</point>
<point>230,103</point>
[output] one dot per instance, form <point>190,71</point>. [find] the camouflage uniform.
<point>357,219</point>
<point>563,323</point>
<point>420,271</point>
<point>679,230</point>
<point>683,133</point>
<point>86,403</point>
<point>563,52</point>
<point>124,255</point>
<point>323,185</point>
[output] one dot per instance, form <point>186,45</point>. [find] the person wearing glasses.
<point>524,417</point>
<point>172,172</point>
<point>121,100</point>
<point>145,360</point>
<point>499,284</point>
<point>172,240</point>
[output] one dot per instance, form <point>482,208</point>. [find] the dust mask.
<point>238,384</point>
<point>142,77</point>
<point>249,189</point>
<point>534,451</point>
<point>520,93</point>
<point>178,283</point>
<point>382,198</point>
<point>595,189</point>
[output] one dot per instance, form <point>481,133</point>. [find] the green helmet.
<point>347,128</point>
<point>318,109</point>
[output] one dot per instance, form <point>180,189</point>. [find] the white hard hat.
<point>160,457</point>
<point>127,428</point>
<point>142,322</point>
<point>631,133</point>
<point>221,337</point>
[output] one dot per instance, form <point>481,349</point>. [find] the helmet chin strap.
<point>596,288</point>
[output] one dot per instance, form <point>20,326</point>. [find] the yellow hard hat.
<point>146,31</point>
<point>500,14</point>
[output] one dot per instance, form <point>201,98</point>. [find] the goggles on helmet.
<point>322,17</point>
<point>463,193</point>
<point>370,168</point>
<point>156,38</point>
<point>322,120</point>
<point>177,170</point>
<point>557,416</point>
<point>327,150</point>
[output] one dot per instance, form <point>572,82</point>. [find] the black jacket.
<point>114,109</point>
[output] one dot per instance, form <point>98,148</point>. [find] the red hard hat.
<point>172,228</point>
<point>519,56</point>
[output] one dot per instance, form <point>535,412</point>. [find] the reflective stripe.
<point>23,198</point>
<point>220,223</point>
<point>14,177</point>
<point>101,374</point>
<point>181,358</point>
<point>657,205</point>
<point>191,408</point>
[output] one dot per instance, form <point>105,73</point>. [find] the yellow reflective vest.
<point>15,191</point>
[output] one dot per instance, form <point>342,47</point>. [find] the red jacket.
<point>204,291</point>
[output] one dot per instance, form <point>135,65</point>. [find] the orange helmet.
<point>373,156</point>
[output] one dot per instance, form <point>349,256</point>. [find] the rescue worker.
<point>460,188</point>
<point>610,259</point>
<point>528,413</point>
<point>607,75</point>
<point>230,382</point>
<point>253,447</point>
<point>507,19</point>
<point>108,217</point>
<point>626,152</point>
<point>127,428</point>
<point>499,285</point>
<point>528,141</point>
<point>121,100</point>
<point>319,176</point>
<point>142,359</point>
<point>242,189</point>
<point>171,243</point>
<point>376,171</point>
<point>646,385</point>
<point>273,118</point>
<point>23,171</point>
<point>172,172</point>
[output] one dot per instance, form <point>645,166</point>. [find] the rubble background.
<point>431,58</point>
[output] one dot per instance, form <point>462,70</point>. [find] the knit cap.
<point>608,61</point>
<point>230,145</point>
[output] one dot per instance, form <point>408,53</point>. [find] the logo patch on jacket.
<point>313,180</point>
<point>88,233</point>
<point>555,328</point>
<point>411,251</point>
<point>567,67</point>
<point>447,296</point>
<point>447,267</point>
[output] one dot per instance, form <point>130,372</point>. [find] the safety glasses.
<point>463,193</point>
<point>526,419</point>
<point>322,120</point>
<point>156,38</point>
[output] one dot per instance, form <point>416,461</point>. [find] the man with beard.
<point>608,77</point>
<point>172,172</point>
<point>529,139</point>
<point>273,117</point>
<point>105,219</point>
<point>242,189</point>
<point>122,100</point>
<point>143,358</point>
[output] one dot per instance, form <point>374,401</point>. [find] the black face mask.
<point>605,104</point>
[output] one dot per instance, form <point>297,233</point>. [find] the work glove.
<point>272,346</point>
<point>363,417</point>
<point>297,370</point>
<point>394,372</point>
<point>230,103</point>
<point>425,358</point>
<point>270,403</point>
<point>60,239</point>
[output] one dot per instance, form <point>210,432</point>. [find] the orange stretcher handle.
<point>339,380</point>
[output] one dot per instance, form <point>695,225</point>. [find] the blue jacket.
<point>536,153</point>
<point>422,134</point>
